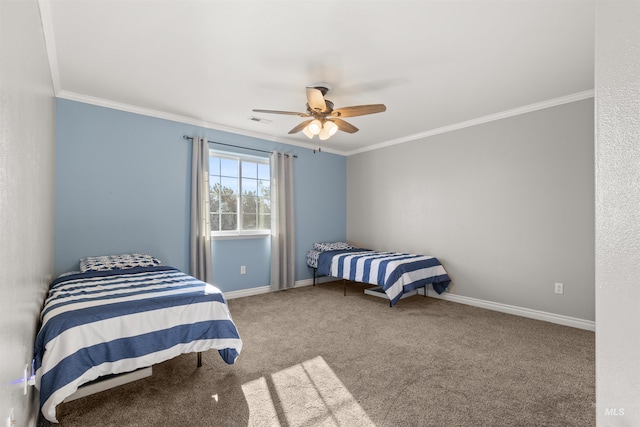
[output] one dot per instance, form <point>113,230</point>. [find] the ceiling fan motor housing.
<point>326,111</point>
<point>322,87</point>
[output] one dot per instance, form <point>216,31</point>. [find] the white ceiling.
<point>436,65</point>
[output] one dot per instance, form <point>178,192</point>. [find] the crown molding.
<point>47,27</point>
<point>72,96</point>
<point>52,54</point>
<point>579,96</point>
<point>50,43</point>
<point>101,102</point>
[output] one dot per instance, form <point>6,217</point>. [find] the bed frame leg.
<point>199,359</point>
<point>315,270</point>
<point>344,283</point>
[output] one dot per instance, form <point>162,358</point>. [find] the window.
<point>239,194</point>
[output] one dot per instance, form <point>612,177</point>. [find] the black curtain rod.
<point>237,146</point>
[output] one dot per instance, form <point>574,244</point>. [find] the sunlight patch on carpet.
<point>308,394</point>
<point>261,408</point>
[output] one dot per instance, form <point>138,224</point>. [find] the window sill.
<point>238,236</point>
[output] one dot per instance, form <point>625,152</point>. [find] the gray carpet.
<point>313,357</point>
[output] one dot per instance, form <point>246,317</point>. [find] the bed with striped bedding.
<point>397,273</point>
<point>99,323</point>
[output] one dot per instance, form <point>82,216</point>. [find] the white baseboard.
<point>559,319</point>
<point>247,292</point>
<point>309,282</point>
<point>266,289</point>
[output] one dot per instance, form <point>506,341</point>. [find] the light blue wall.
<point>229,255</point>
<point>122,185</point>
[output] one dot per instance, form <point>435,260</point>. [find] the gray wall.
<point>618,213</point>
<point>26,196</point>
<point>506,206</point>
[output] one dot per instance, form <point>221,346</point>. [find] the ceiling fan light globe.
<point>330,127</point>
<point>315,127</point>
<point>307,132</point>
<point>324,133</point>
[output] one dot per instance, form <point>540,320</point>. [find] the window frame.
<point>239,233</point>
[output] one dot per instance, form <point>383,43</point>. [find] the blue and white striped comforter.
<point>109,322</point>
<point>397,273</point>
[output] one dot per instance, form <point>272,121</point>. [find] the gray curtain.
<point>200,234</point>
<point>283,248</point>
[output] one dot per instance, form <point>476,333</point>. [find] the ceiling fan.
<point>324,120</point>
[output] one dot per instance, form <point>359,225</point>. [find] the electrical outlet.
<point>559,288</point>
<point>26,379</point>
<point>243,269</point>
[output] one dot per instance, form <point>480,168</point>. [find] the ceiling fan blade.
<point>359,110</point>
<point>291,113</point>
<point>344,126</point>
<point>300,126</point>
<point>315,99</point>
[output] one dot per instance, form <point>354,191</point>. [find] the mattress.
<point>100,323</point>
<point>397,273</point>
